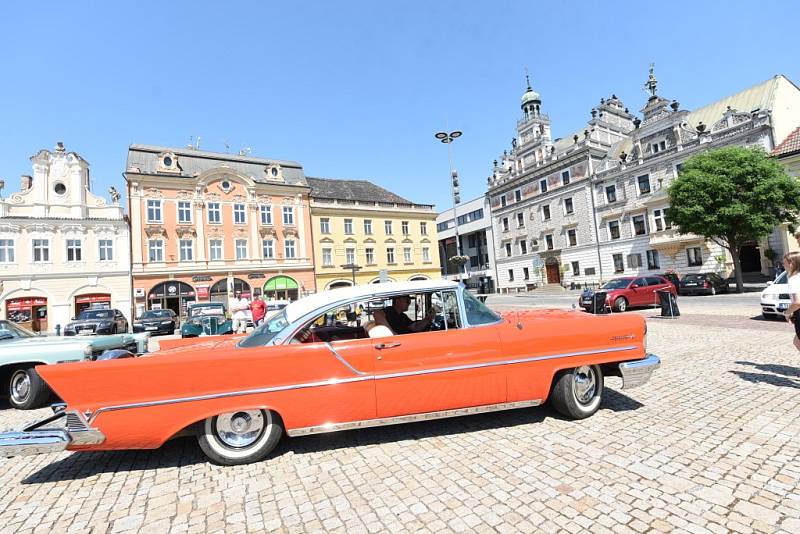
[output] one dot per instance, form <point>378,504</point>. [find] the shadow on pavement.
<point>776,368</point>
<point>781,375</point>
<point>186,452</point>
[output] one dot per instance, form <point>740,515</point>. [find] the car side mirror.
<point>634,286</point>
<point>74,319</point>
<point>770,283</point>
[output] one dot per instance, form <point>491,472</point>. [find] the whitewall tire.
<point>240,437</point>
<point>577,392</point>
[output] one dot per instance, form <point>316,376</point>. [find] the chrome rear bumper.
<point>35,440</point>
<point>638,372</point>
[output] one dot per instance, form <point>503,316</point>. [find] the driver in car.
<point>395,318</point>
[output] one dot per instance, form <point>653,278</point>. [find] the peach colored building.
<point>205,224</point>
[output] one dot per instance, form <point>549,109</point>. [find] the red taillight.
<point>707,284</point>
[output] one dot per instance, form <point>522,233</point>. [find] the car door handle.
<point>381,346</point>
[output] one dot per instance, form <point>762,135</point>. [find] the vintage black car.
<point>156,322</point>
<point>97,321</point>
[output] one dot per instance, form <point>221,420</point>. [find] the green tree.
<point>732,196</point>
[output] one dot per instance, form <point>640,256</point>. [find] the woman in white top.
<point>791,263</point>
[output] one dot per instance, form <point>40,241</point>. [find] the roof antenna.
<point>197,144</point>
<point>527,79</point>
<point>227,146</point>
<point>245,151</point>
<point>191,142</point>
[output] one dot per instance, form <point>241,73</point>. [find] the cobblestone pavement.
<point>711,444</point>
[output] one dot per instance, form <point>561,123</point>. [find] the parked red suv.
<point>629,291</point>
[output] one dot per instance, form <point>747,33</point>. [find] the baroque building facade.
<point>62,247</point>
<point>366,234</point>
<point>205,224</point>
<point>593,205</point>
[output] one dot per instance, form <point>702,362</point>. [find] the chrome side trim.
<point>330,382</point>
<point>400,419</point>
<point>637,372</point>
<point>345,362</point>
<point>362,376</point>
<point>504,362</point>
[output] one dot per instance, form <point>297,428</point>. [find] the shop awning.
<point>280,282</point>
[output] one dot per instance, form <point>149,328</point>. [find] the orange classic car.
<point>331,361</point>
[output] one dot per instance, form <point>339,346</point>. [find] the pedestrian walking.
<point>791,262</point>
<point>239,306</point>
<point>259,309</point>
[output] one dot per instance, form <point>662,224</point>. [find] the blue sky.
<point>357,89</point>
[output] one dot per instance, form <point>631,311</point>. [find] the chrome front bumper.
<point>35,440</point>
<point>638,372</point>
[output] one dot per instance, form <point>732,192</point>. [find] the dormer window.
<point>168,162</point>
<point>274,172</point>
<point>658,147</point>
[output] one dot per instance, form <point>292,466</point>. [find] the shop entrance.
<point>97,300</point>
<point>219,291</point>
<point>750,257</point>
<point>29,313</point>
<point>553,272</point>
<point>174,296</point>
<point>281,288</point>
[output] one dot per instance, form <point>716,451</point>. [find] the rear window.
<point>694,277</point>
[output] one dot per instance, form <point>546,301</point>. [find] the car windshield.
<point>781,278</point>
<point>95,314</point>
<point>266,332</point>
<point>617,283</point>
<point>9,330</point>
<point>155,314</point>
<point>197,311</point>
<point>477,312</point>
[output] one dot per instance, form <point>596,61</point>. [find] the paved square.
<point>712,444</point>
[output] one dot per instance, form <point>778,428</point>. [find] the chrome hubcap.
<point>584,384</point>
<point>240,429</point>
<point>20,386</point>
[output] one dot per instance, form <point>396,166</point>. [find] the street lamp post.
<point>448,138</point>
<point>353,267</point>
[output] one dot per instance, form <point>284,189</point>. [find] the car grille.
<point>784,296</point>
<point>75,423</point>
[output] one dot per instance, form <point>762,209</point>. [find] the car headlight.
<point>87,351</point>
<point>105,324</point>
<point>166,322</point>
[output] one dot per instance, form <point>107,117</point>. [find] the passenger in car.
<point>394,317</point>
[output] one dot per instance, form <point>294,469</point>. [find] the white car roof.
<point>322,300</point>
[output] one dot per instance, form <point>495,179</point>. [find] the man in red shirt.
<point>259,309</point>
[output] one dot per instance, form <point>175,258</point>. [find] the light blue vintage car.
<point>21,350</point>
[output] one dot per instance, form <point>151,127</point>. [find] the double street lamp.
<point>448,138</point>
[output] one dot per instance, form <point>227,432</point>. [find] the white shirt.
<point>794,285</point>
<point>239,306</point>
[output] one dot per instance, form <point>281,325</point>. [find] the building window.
<point>73,250</point>
<point>404,227</point>
<point>652,260</point>
<point>543,185</point>
<point>572,237</point>
<point>106,250</point>
<point>694,256</point>
<point>546,213</point>
<point>569,208</point>
<point>613,229</point>
<point>186,250</point>
<point>634,261</point>
<point>288,215</point>
<point>423,228</point>
<point>526,274</point>
<point>503,201</point>
<point>658,147</point>
<point>390,255</point>
<point>508,250</point>
<point>523,247</point>
<point>387,227</point>
<point>639,226</point>
<point>155,250</point>
<point>644,184</point>
<point>288,249</point>
<point>214,213</point>
<point>520,220</point>
<point>184,212</point>
<point>368,226</point>
<point>426,255</point>
<point>611,194</point>
<point>350,256</point>
<point>266,214</point>
<point>511,275</point>
<point>661,220</point>
<point>517,195</point>
<point>576,270</point>
<point>239,214</point>
<point>41,250</point>
<point>619,267</point>
<point>215,249</point>
<point>505,224</point>
<point>471,240</point>
<point>6,251</point>
<point>407,255</point>
<point>548,239</point>
<point>370,253</point>
<point>348,226</point>
<point>153,211</point>
<point>325,225</point>
<point>565,177</point>
<point>327,257</point>
<point>268,248</point>
<point>241,249</point>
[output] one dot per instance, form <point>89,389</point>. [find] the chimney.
<point>25,182</point>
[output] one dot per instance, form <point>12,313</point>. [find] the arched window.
<point>171,295</point>
<point>219,291</point>
<point>281,288</point>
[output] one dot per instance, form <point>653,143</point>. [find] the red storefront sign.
<point>84,299</point>
<point>22,304</point>
<point>202,292</point>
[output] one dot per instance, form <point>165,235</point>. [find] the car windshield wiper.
<point>6,335</point>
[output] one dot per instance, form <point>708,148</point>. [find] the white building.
<point>62,248</point>
<point>477,243</point>
<point>594,205</point>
